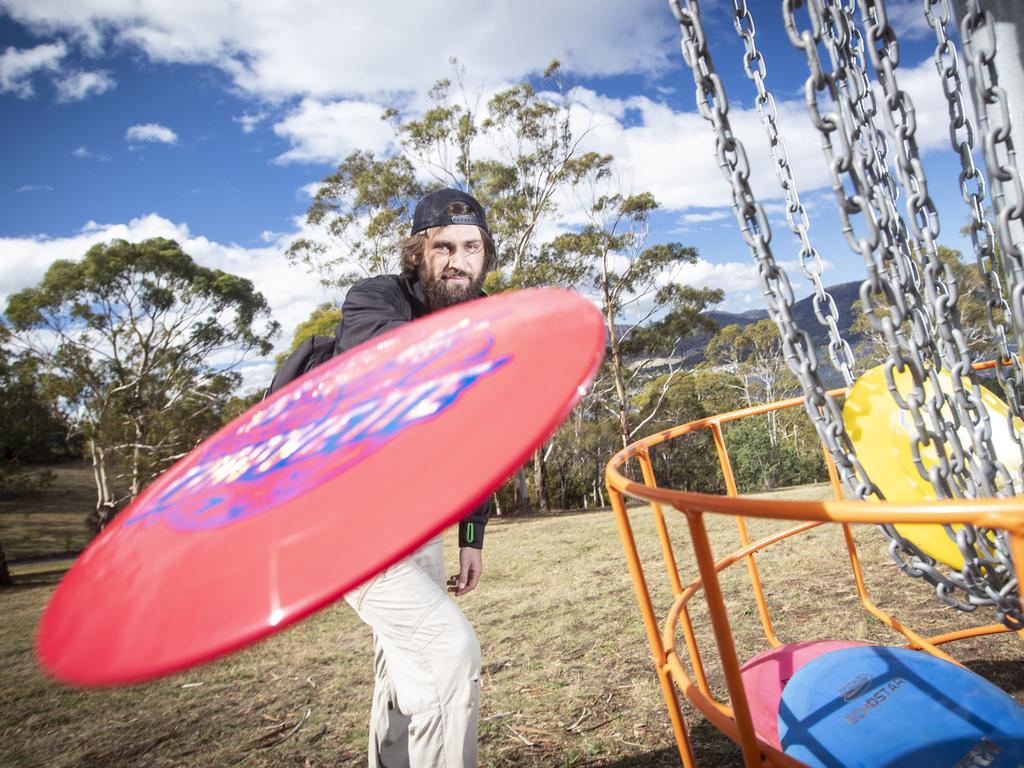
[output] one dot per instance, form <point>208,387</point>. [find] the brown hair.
<point>414,246</point>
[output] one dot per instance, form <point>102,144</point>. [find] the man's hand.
<point>471,565</point>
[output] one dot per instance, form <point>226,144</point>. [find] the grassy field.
<point>567,678</point>
<point>51,523</point>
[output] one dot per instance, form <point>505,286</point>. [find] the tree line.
<point>130,356</point>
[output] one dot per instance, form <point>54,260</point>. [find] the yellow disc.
<point>882,434</point>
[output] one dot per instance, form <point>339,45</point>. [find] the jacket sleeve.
<point>471,529</point>
<point>370,308</point>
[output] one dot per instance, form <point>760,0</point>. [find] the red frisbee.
<point>312,491</point>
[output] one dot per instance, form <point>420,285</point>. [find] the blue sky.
<point>209,122</point>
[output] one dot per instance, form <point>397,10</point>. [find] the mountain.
<point>845,295</point>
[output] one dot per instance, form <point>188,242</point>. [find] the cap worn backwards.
<point>432,211</point>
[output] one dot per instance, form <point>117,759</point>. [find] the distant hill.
<point>691,350</point>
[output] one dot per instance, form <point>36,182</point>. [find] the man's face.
<point>452,269</point>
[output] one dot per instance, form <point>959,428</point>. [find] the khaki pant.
<point>426,698</point>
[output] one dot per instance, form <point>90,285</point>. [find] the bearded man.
<point>426,698</point>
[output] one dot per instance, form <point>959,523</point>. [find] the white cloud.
<point>249,122</point>
<point>703,218</point>
<point>908,20</point>
<point>77,85</point>
<point>740,276</point>
<point>18,66</point>
<point>34,188</point>
<point>330,48</point>
<point>327,133</point>
<point>151,132</point>
<point>672,153</point>
<point>290,291</point>
<point>84,153</point>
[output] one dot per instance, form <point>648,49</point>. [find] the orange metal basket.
<point>733,717</point>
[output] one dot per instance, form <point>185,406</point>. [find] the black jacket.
<point>379,304</point>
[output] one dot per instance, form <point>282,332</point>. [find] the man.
<point>426,696</point>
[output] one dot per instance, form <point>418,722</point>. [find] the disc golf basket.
<point>958,522</point>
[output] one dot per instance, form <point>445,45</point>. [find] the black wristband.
<point>471,534</point>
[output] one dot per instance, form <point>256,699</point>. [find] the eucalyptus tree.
<point>753,354</point>
<point>360,211</point>
<point>140,345</point>
<point>610,258</point>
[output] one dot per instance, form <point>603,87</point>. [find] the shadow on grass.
<point>711,749</point>
<point>658,758</point>
<point>36,579</point>
<point>1008,674</point>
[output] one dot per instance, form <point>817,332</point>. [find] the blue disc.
<point>882,707</point>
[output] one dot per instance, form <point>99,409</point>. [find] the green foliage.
<point>759,465</point>
<point>16,483</point>
<point>31,429</point>
<point>610,258</point>
<point>125,341</point>
<point>322,321</point>
<point>971,308</point>
<point>688,463</point>
<point>364,209</point>
<point>575,466</point>
<point>754,354</point>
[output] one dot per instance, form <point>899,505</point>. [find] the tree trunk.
<point>540,479</point>
<point>136,460</point>
<point>105,505</point>
<point>620,382</point>
<point>5,575</point>
<point>522,496</point>
<point>497,505</point>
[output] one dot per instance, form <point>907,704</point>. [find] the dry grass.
<point>567,677</point>
<point>51,523</point>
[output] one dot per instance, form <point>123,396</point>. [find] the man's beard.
<point>441,293</point>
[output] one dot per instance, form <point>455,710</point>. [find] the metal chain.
<point>979,55</point>
<point>799,353</point>
<point>884,294</point>
<point>976,472</point>
<point>825,309</point>
<point>889,294</point>
<point>997,310</point>
<point>906,309</point>
<point>972,189</point>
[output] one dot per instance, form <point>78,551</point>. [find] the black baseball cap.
<point>432,211</point>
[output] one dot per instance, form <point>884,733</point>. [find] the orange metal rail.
<point>735,720</point>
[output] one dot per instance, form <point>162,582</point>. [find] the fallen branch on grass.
<point>271,740</point>
<point>498,716</point>
<point>599,725</point>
